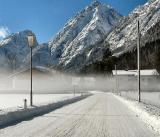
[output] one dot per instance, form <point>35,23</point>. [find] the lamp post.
<point>138,63</point>
<point>31,44</point>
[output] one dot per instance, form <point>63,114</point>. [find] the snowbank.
<point>14,100</point>
<point>20,114</point>
<point>151,98</point>
<point>147,113</point>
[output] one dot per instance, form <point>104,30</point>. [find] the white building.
<point>127,79</point>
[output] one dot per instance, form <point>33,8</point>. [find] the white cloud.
<point>4,31</point>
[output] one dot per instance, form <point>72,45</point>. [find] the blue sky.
<point>46,17</point>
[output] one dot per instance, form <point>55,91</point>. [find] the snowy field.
<point>16,100</point>
<point>152,98</point>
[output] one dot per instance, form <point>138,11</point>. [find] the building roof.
<point>147,72</point>
<point>124,72</point>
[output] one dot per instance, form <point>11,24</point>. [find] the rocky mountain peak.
<point>14,49</point>
<point>19,38</point>
<point>96,3</point>
<point>81,34</point>
<point>123,37</point>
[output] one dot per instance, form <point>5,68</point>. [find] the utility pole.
<point>138,63</point>
<point>116,79</point>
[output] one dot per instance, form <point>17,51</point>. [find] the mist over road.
<point>100,115</point>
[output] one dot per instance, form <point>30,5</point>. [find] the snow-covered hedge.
<point>17,115</point>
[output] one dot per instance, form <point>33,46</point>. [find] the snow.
<point>81,34</point>
<point>14,49</point>
<point>149,72</point>
<point>5,41</point>
<point>146,72</point>
<point>8,101</point>
<point>70,49</point>
<point>124,72</point>
<point>147,113</point>
<point>14,115</point>
<point>100,115</point>
<point>152,98</point>
<point>125,33</point>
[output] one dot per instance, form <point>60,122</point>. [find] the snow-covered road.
<point>100,115</point>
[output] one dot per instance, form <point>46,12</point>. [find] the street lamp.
<point>31,44</point>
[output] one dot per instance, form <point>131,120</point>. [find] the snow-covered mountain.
<point>42,55</point>
<point>72,46</point>
<point>15,52</point>
<point>123,38</point>
<point>89,41</point>
<point>14,49</point>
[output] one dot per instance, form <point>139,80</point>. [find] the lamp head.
<point>30,40</point>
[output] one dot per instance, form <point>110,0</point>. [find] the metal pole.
<point>116,78</point>
<point>138,64</point>
<point>31,97</point>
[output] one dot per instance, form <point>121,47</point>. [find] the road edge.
<point>149,118</point>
